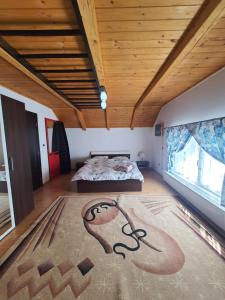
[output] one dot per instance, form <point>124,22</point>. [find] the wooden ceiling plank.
<point>38,37</point>
<point>152,25</point>
<point>135,51</point>
<point>135,57</point>
<point>146,13</point>
<point>54,55</point>
<point>143,3</point>
<point>118,44</point>
<point>37,15</point>
<point>209,49</point>
<point>141,36</point>
<point>37,26</point>
<point>59,63</point>
<point>204,20</point>
<point>35,47</point>
<point>25,4</point>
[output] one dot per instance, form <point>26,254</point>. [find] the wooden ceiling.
<point>47,38</point>
<point>145,52</point>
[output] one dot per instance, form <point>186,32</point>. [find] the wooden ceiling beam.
<point>78,88</point>
<point>27,70</point>
<point>38,32</point>
<point>81,94</point>
<point>84,101</point>
<point>86,15</point>
<point>80,117</point>
<point>56,71</point>
<point>71,80</point>
<point>89,104</point>
<point>89,107</point>
<point>205,19</point>
<point>53,55</point>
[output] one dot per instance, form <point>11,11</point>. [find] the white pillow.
<point>96,159</point>
<point>121,159</point>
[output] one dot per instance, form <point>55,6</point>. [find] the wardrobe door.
<point>14,117</point>
<point>34,149</point>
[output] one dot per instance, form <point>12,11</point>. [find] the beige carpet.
<point>125,247</point>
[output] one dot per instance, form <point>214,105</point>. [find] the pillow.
<point>96,159</point>
<point>123,168</point>
<point>121,159</point>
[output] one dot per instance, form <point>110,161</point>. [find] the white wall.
<point>203,102</point>
<point>42,113</point>
<point>116,139</point>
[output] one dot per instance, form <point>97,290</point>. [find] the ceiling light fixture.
<point>103,104</point>
<point>103,97</point>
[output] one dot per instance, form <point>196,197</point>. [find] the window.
<point>197,167</point>
<point>212,173</point>
<point>186,161</point>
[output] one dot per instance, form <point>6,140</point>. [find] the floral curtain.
<point>210,135</point>
<point>177,138</point>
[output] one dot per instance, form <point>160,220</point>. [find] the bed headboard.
<point>110,155</point>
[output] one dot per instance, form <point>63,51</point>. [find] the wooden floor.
<point>62,187</point>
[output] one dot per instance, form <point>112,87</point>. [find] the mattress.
<point>103,169</point>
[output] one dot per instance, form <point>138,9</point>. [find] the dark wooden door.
<point>14,116</point>
<point>34,149</point>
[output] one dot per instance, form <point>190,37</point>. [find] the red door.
<point>54,164</point>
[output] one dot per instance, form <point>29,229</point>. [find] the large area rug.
<point>125,247</point>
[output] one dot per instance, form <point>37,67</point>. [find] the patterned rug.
<point>126,247</point>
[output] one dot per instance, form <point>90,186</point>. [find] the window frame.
<point>200,168</point>
<point>202,192</point>
<point>197,186</point>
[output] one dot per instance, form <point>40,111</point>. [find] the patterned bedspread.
<point>103,169</point>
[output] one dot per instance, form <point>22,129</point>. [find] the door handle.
<point>11,164</point>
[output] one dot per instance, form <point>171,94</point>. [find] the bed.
<point>123,184</point>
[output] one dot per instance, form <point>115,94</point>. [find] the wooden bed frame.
<point>129,185</point>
